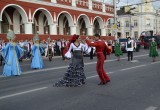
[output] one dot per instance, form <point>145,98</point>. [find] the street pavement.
<point>134,86</point>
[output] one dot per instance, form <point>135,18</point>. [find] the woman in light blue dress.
<point>11,53</point>
<point>36,51</point>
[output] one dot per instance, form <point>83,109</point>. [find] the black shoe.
<point>102,83</point>
<point>83,82</point>
<point>107,81</point>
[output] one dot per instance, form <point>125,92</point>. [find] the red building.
<point>54,18</point>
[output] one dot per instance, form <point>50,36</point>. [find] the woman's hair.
<point>97,35</point>
<point>74,38</point>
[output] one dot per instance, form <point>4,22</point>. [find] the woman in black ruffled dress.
<point>75,74</point>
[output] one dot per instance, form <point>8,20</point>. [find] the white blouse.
<point>83,47</point>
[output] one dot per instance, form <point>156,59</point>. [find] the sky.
<point>124,2</point>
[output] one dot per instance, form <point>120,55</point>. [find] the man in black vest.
<point>129,48</point>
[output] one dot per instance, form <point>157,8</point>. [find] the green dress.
<point>153,50</point>
<point>118,51</point>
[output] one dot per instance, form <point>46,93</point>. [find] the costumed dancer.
<point>75,74</point>
<point>50,50</point>
<point>0,52</point>
<point>118,51</point>
<point>63,46</point>
<point>11,53</point>
<point>153,50</point>
<point>36,51</point>
<point>129,48</point>
<point>100,48</point>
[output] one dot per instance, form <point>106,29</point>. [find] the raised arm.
<point>91,44</point>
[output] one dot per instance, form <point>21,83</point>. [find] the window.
<point>136,34</point>
<point>135,23</point>
<point>127,23</point>
<point>148,22</point>
<point>127,34</point>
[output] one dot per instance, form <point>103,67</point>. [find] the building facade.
<point>55,18</point>
<point>134,21</point>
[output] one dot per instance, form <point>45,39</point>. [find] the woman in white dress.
<point>75,74</point>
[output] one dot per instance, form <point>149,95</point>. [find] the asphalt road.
<point>134,86</point>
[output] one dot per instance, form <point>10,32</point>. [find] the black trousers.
<point>130,55</point>
<point>1,59</point>
<point>62,53</point>
<point>91,54</point>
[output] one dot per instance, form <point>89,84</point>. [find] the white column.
<point>0,27</point>
<point>53,1</point>
<point>28,28</point>
<point>53,29</point>
<point>73,30</point>
<point>103,7</point>
<point>90,4</point>
<point>103,32</point>
<point>74,2</point>
<point>90,31</point>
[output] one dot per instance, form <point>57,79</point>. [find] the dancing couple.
<point>75,74</point>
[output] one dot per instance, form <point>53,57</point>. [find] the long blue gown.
<point>11,54</point>
<point>37,61</point>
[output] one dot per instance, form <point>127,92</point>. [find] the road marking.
<point>21,93</point>
<point>91,77</point>
<point>132,67</point>
<point>47,69</point>
<point>110,72</point>
<point>151,108</point>
<point>155,62</point>
<point>90,63</point>
<point>96,75</point>
<point>134,61</point>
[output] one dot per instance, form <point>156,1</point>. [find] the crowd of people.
<point>12,52</point>
<point>56,46</point>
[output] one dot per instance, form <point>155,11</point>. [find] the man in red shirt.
<point>100,48</point>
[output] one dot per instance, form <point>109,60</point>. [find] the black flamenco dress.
<point>74,75</point>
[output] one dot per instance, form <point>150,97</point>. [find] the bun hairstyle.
<point>97,35</point>
<point>74,38</point>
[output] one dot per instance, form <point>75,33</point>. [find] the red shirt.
<point>100,46</point>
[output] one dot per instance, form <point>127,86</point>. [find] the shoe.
<point>107,81</point>
<point>102,83</point>
<point>83,82</point>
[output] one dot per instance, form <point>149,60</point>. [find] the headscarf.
<point>72,40</point>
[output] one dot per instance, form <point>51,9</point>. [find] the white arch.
<point>86,19</point>
<point>20,10</point>
<point>46,13</point>
<point>8,18</point>
<point>68,15</point>
<point>100,21</point>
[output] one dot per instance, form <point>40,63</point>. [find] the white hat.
<point>11,35</point>
<point>36,37</point>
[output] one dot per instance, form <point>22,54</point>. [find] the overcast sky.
<point>124,2</point>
